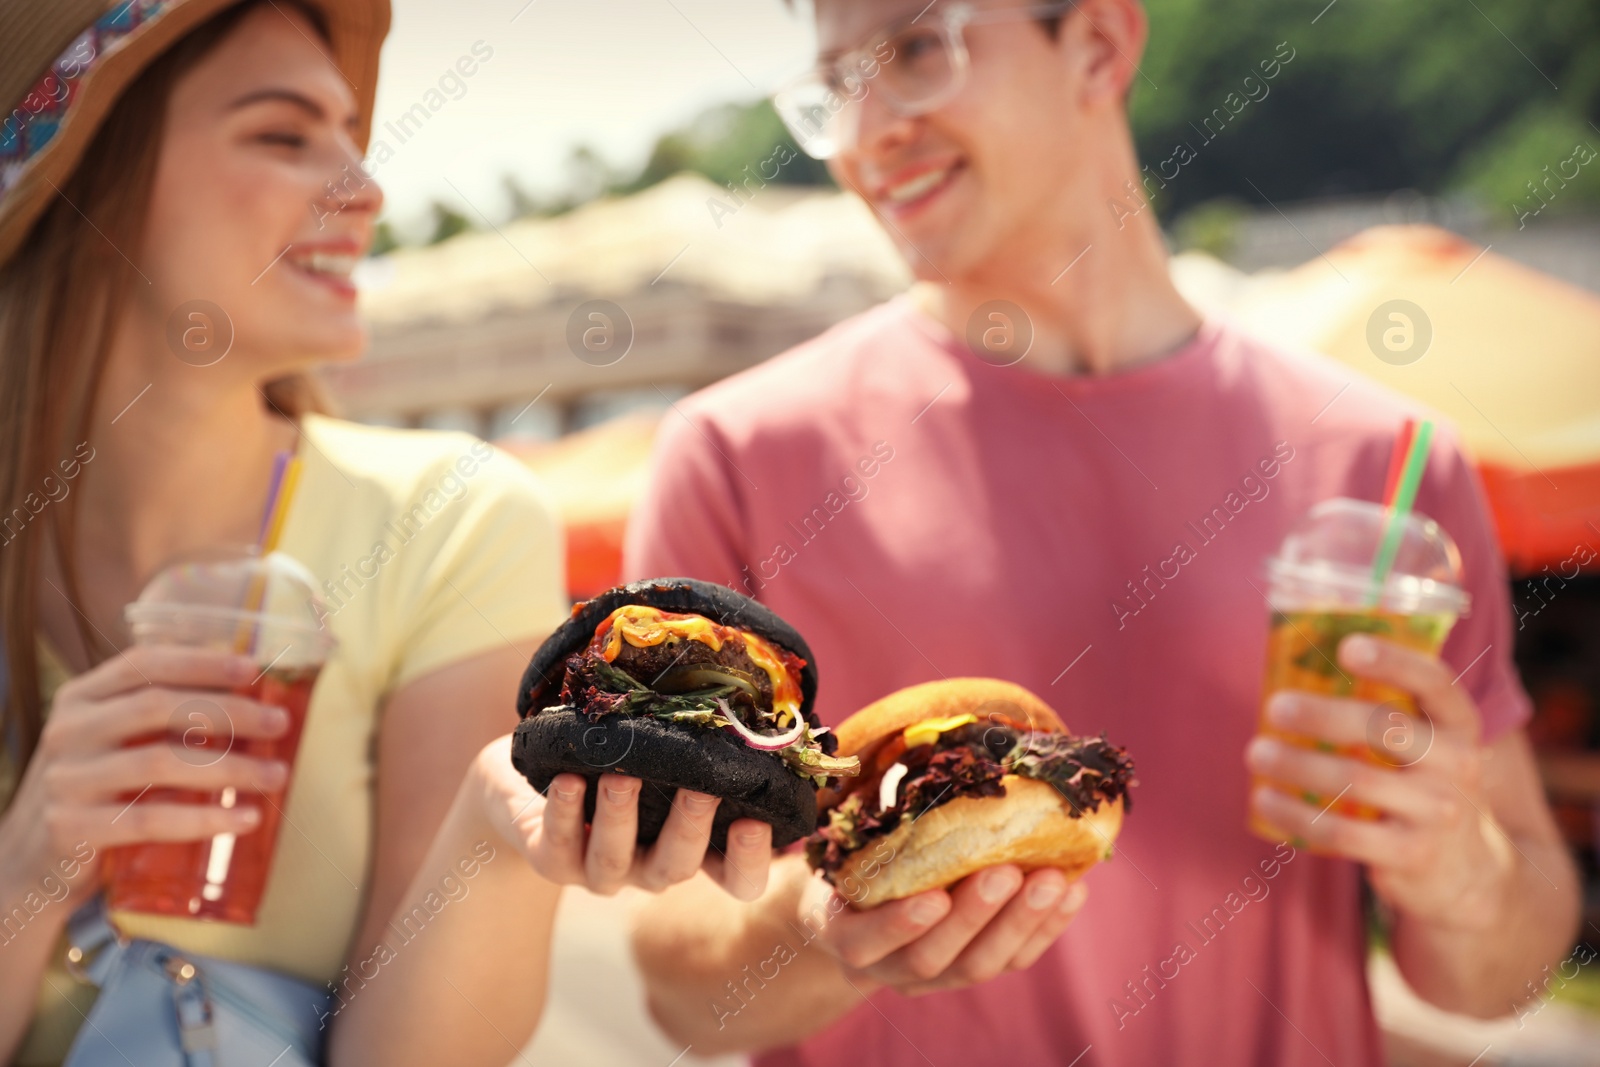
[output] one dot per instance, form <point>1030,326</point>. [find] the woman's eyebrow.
<point>288,96</point>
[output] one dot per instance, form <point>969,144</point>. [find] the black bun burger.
<point>684,684</point>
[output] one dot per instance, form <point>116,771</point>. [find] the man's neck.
<point>1098,299</point>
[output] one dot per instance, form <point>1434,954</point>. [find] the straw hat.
<point>63,63</point>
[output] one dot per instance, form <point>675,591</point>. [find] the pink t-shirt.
<point>919,513</point>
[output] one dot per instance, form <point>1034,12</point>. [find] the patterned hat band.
<point>50,121</point>
<point>35,120</point>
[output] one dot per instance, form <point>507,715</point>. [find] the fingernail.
<point>277,719</point>
<point>273,775</point>
<point>1044,892</point>
<point>1263,751</point>
<point>1281,709</point>
<point>247,816</point>
<point>996,886</point>
<point>1075,897</point>
<point>620,792</point>
<point>698,803</point>
<point>1359,651</point>
<point>568,789</point>
<point>925,912</point>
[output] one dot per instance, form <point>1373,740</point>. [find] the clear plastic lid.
<point>265,606</point>
<point>1326,561</point>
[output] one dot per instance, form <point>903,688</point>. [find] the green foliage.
<point>1544,160</point>
<point>1379,94</point>
<point>384,240</point>
<point>737,143</point>
<point>447,222</point>
<point>1211,227</point>
<point>729,143</point>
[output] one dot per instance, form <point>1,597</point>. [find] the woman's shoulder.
<point>405,467</point>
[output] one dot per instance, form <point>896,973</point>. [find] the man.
<point>1089,520</point>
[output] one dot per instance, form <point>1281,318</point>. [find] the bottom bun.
<point>1031,826</point>
<point>752,784</point>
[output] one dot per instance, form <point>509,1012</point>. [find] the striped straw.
<point>1397,460</point>
<point>280,494</point>
<point>1404,497</point>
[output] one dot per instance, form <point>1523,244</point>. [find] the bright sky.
<point>610,73</point>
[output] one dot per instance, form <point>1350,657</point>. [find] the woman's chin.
<point>314,343</point>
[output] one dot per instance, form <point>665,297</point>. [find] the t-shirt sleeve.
<point>688,523</point>
<point>495,576</point>
<point>1479,649</point>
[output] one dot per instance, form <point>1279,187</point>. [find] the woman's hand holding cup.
<point>128,725</point>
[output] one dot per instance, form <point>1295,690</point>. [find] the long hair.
<point>61,296</point>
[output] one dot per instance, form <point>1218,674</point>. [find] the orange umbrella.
<point>1510,355</point>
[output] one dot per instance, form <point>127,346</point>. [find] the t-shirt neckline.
<point>1177,368</point>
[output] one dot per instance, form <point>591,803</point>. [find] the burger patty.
<point>970,761</point>
<point>654,664</point>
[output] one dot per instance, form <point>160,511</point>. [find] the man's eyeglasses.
<point>917,64</point>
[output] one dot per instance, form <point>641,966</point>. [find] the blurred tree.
<point>1378,95</point>
<point>723,141</point>
<point>384,240</point>
<point>522,201</point>
<point>588,174</point>
<point>1211,227</point>
<point>1546,160</point>
<point>447,222</point>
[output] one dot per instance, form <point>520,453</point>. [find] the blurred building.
<point>1265,237</point>
<point>543,326</point>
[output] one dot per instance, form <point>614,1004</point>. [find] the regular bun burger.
<point>960,775</point>
<point>686,685</point>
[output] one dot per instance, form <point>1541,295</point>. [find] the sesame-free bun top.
<point>983,697</point>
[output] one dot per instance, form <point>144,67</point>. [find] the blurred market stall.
<point>1510,355</point>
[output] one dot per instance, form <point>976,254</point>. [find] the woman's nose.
<point>350,188</point>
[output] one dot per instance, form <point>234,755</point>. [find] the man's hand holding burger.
<point>951,859</point>
<point>991,922</point>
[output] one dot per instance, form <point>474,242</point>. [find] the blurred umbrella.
<point>595,476</point>
<point>1510,355</point>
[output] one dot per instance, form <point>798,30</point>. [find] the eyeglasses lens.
<point>913,67</point>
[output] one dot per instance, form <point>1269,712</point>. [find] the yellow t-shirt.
<point>430,548</point>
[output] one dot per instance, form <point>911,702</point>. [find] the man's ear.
<point>1110,35</point>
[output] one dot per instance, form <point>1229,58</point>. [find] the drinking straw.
<point>279,463</point>
<point>278,506</point>
<point>280,493</point>
<point>1405,496</point>
<point>1397,460</point>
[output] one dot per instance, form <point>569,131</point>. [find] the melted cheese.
<point>642,627</point>
<point>928,731</point>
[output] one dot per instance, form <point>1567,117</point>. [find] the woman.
<point>181,204</point>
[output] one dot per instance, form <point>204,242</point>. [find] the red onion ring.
<point>764,742</point>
